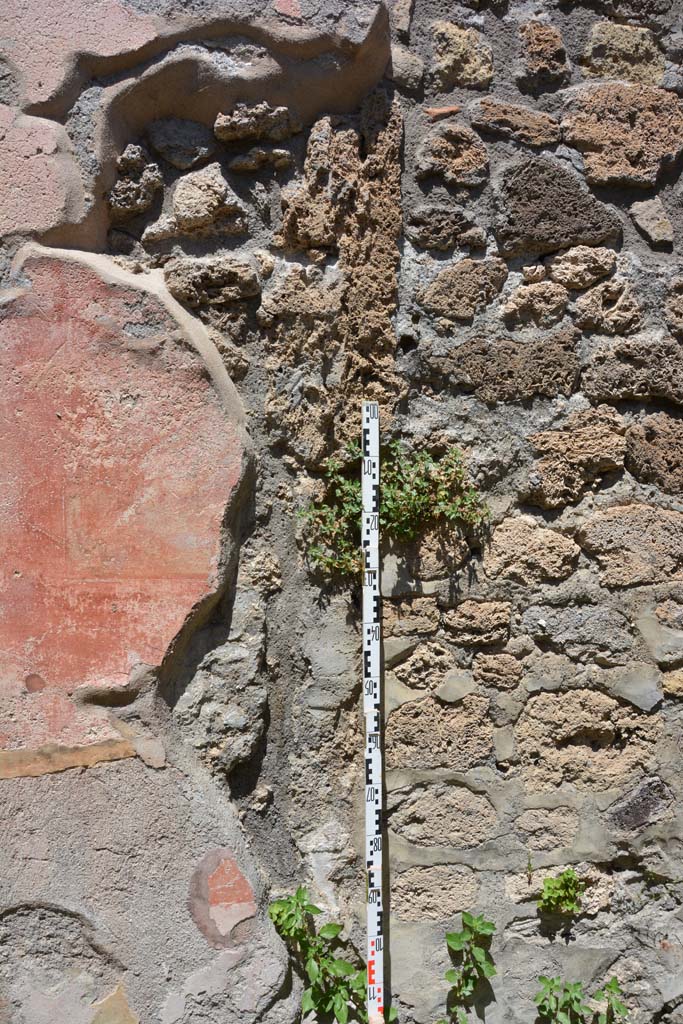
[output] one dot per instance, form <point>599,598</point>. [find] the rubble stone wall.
<point>221,224</point>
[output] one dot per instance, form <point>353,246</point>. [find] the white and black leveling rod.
<point>371,706</point>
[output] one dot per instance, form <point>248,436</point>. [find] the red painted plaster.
<point>117,460</point>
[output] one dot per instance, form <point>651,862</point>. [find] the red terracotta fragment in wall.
<point>117,461</point>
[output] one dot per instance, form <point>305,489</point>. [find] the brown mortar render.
<point>469,212</point>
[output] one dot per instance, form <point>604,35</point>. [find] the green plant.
<point>561,1002</point>
<point>334,986</point>
<point>418,490</point>
<point>471,945</point>
<point>615,1010</point>
<point>562,895</point>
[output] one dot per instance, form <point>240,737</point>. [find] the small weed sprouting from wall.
<point>334,987</point>
<point>475,964</point>
<point>563,1002</point>
<point>562,895</point>
<point>419,490</point>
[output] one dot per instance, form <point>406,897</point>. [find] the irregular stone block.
<point>544,58</point>
<point>646,367</point>
<point>415,616</point>
<point>180,142</point>
<point>138,182</point>
<point>609,308</point>
<point>203,198</point>
<point>405,68</point>
<point>524,551</point>
<point>639,683</point>
<point>440,814</point>
<point>654,451</point>
<point>626,133</point>
<point>258,157</point>
<point>460,291</point>
<point>645,804</point>
<point>548,828</point>
<point>462,56</point>
<point>651,219</point>
<point>211,280</point>
<point>583,738</point>
<point>503,671</point>
<point>455,153</point>
<point>590,444</point>
<point>479,623</point>
<point>504,370</point>
<point>635,544</point>
<point>586,632</point>
<point>582,266</point>
<point>674,307</point>
<point>426,667</point>
<point>427,734</point>
<point>512,121</point>
<point>663,636</point>
<point>433,893</point>
<point>103,426</point>
<point>440,226</point>
<point>625,52</point>
<point>260,121</point>
<point>542,304</point>
<point>544,206</point>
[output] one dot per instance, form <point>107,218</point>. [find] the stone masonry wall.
<point>221,224</point>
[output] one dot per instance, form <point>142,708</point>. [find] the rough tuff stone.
<point>544,829</point>
<point>211,280</point>
<point>635,544</point>
<point>583,738</point>
<point>544,58</point>
<point>645,367</point>
<point>654,451</point>
<point>442,815</point>
<point>508,371</point>
<point>442,227</point>
<point>461,57</point>
<point>590,444</point>
<point>582,266</point>
<point>627,133</point>
<point>426,734</point>
<point>455,153</point>
<point>511,121</point>
<point>674,307</point>
<point>109,397</point>
<point>433,893</point>
<point>651,219</point>
<point>204,198</point>
<point>405,68</point>
<point>523,551</point>
<point>460,291</point>
<point>479,623</point>
<point>609,308</point>
<point>258,157</point>
<point>413,617</point>
<point>181,143</point>
<point>503,671</point>
<point>585,632</point>
<point>426,667</point>
<point>260,121</point>
<point>544,206</point>
<point>135,189</point>
<point>625,52</point>
<point>542,304</point>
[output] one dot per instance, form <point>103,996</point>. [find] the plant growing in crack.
<point>418,490</point>
<point>564,1002</point>
<point>334,986</point>
<point>474,966</point>
<point>562,894</point>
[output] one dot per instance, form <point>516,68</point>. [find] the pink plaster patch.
<point>40,183</point>
<point>290,8</point>
<point>117,460</point>
<point>221,897</point>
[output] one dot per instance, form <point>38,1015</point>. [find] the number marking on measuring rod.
<point>372,693</point>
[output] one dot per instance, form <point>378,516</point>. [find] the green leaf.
<point>452,976</point>
<point>392,1015</point>
<point>341,1011</point>
<point>307,1002</point>
<point>342,968</point>
<point>456,941</point>
<point>330,931</point>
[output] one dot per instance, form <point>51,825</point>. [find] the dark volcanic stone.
<point>643,805</point>
<point>544,206</point>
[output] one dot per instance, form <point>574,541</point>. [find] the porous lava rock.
<point>545,206</point>
<point>654,451</point>
<point>460,291</point>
